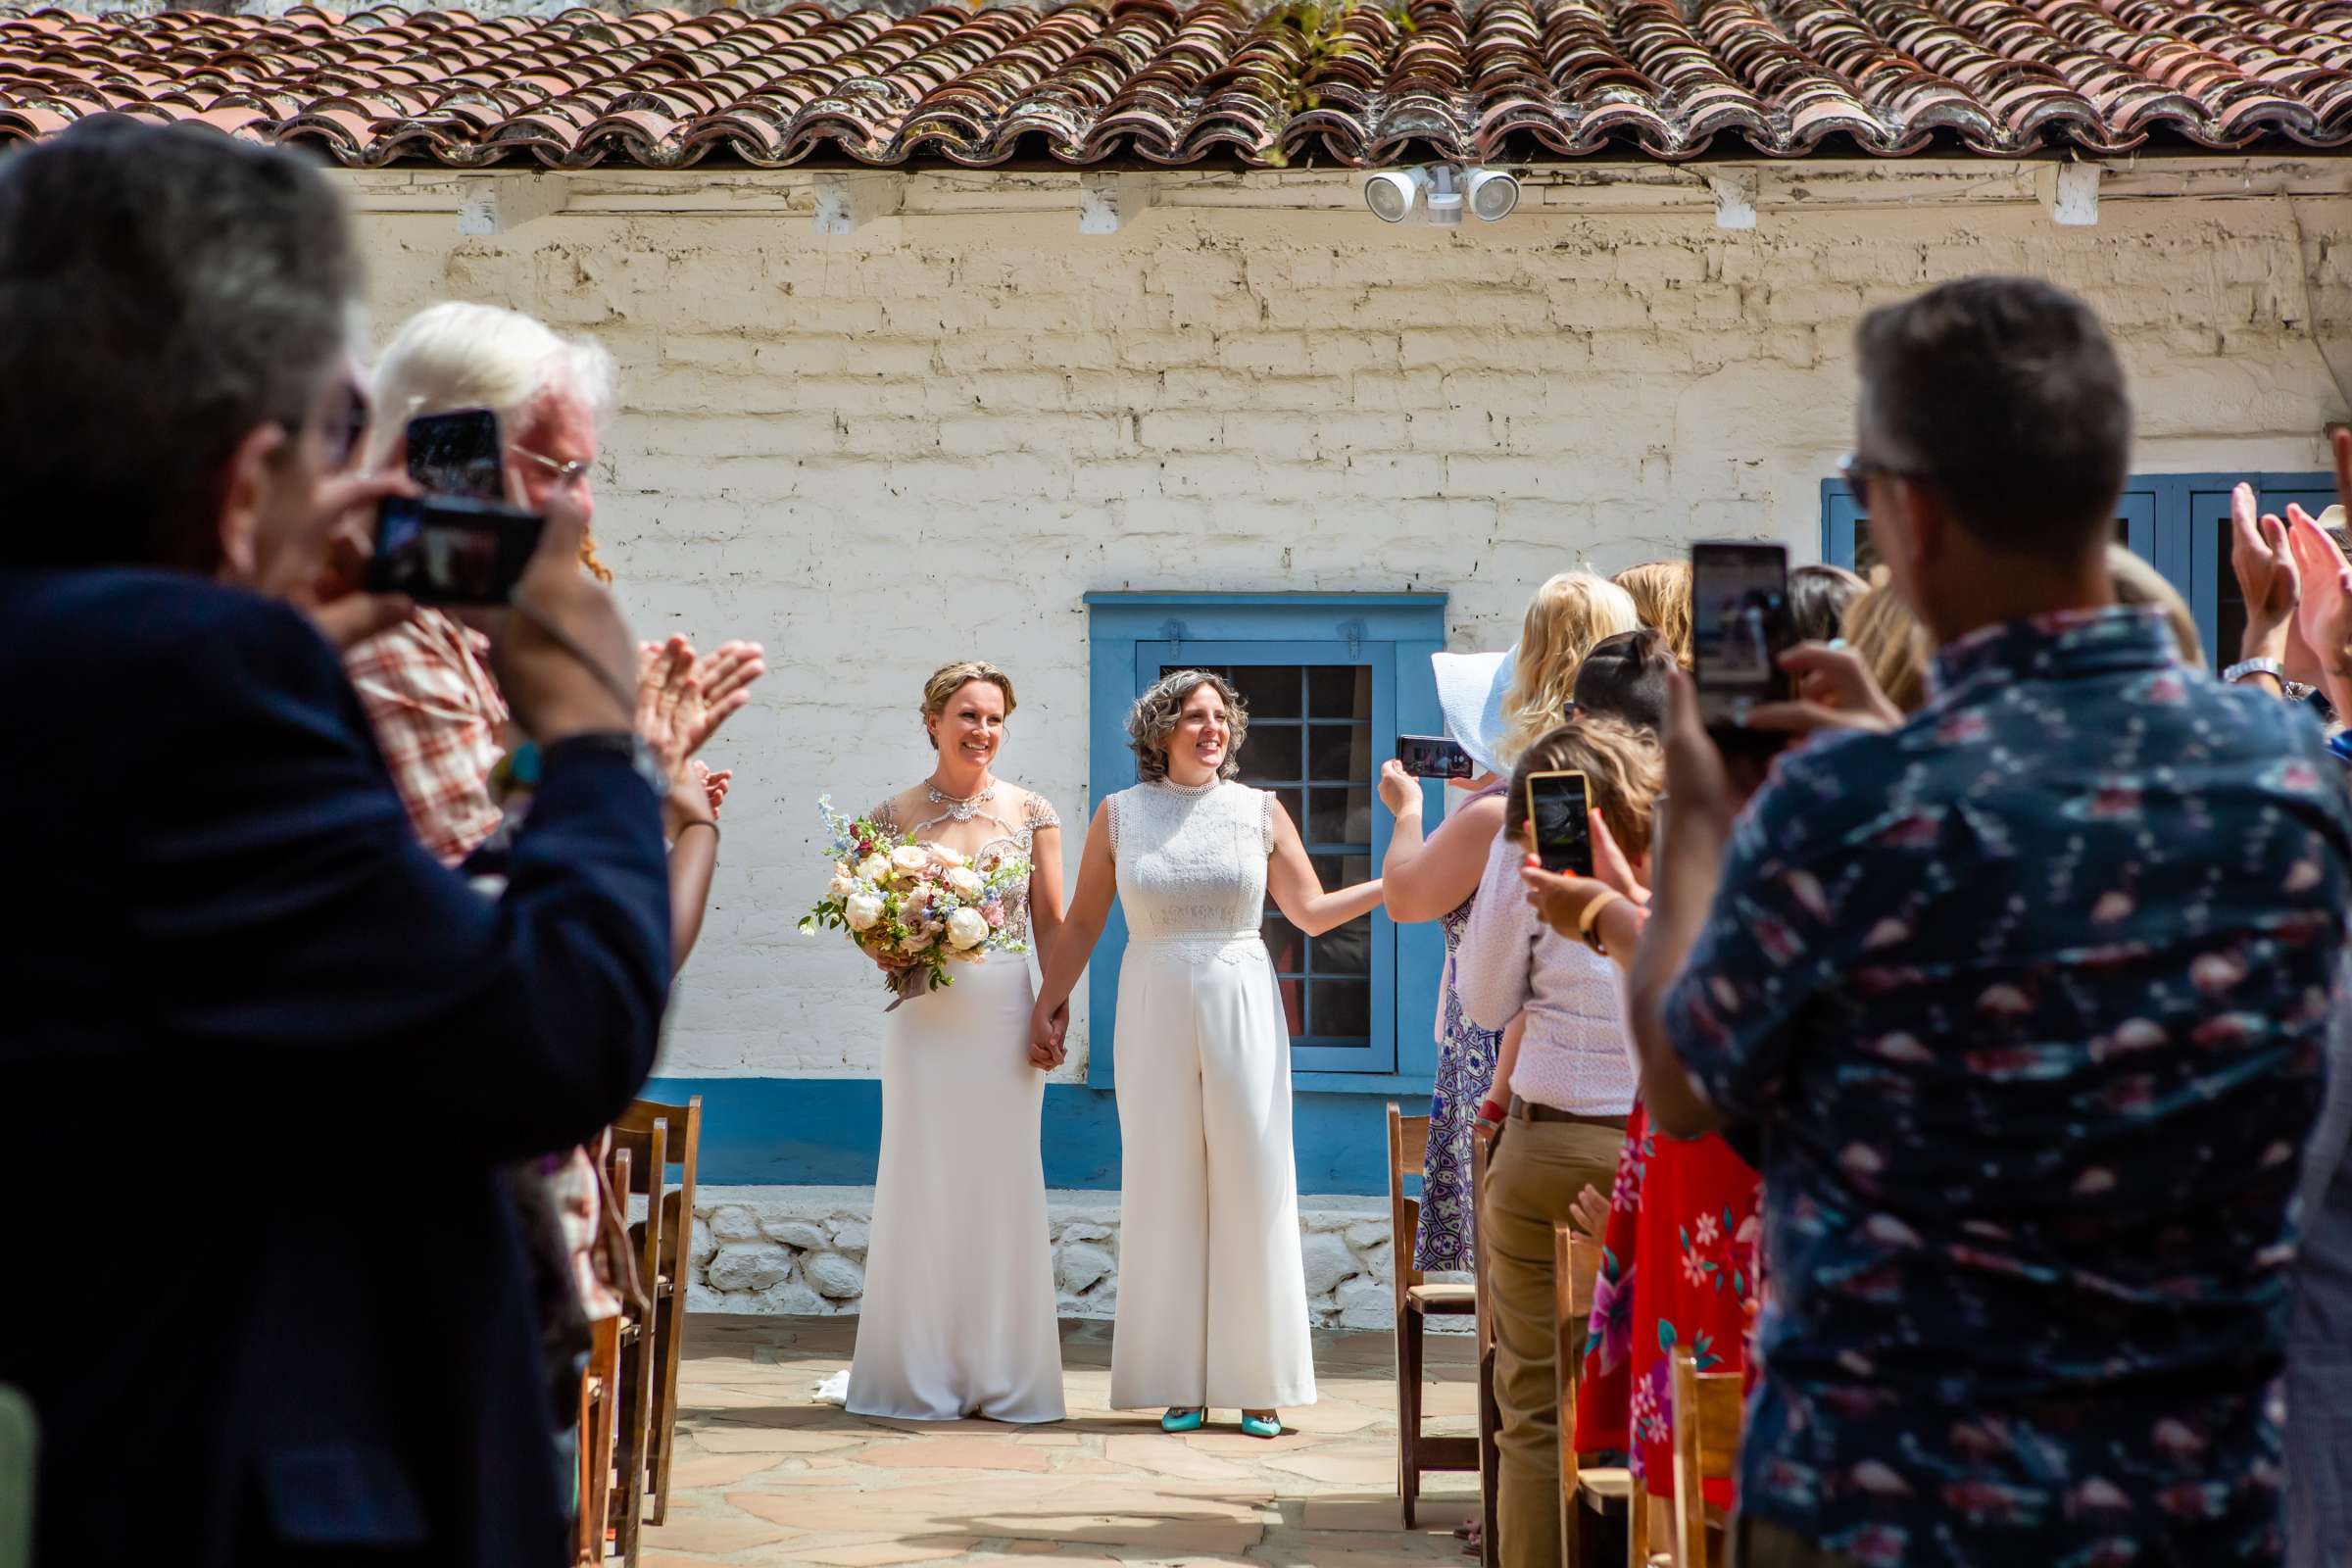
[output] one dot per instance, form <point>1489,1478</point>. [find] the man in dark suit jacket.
<point>263,1055</point>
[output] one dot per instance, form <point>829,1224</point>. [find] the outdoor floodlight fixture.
<point>1440,193</point>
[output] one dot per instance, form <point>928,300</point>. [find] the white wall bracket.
<point>499,204</point>
<point>1736,195</point>
<point>847,202</point>
<point>1108,203</point>
<point>2070,192</point>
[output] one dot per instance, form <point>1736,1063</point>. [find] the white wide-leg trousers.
<point>1212,1287</point>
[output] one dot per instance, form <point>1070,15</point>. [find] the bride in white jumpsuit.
<point>1212,1292</point>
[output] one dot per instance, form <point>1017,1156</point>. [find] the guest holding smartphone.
<point>1571,1088</point>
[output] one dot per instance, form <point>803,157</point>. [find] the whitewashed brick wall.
<point>927,439</point>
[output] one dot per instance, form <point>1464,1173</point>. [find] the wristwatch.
<point>623,743</point>
<point>2255,667</point>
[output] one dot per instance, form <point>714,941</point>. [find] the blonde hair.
<point>1154,715</point>
<point>1624,770</point>
<point>463,355</point>
<point>1564,620</point>
<point>1661,592</point>
<point>2138,583</point>
<point>1890,643</point>
<point>949,679</point>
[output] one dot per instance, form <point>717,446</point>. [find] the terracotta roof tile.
<point>1149,80</point>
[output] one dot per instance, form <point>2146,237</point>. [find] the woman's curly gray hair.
<point>1154,720</point>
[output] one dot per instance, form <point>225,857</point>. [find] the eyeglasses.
<point>564,473</point>
<point>1857,472</point>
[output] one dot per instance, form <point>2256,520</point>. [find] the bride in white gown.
<point>958,1316</point>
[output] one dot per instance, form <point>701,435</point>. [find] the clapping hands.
<point>683,698</point>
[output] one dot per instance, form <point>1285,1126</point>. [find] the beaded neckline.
<point>961,808</point>
<point>1175,788</point>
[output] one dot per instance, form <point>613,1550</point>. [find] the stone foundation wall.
<point>801,1251</point>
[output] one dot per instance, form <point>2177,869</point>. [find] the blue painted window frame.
<point>1130,633</point>
<point>2172,520</point>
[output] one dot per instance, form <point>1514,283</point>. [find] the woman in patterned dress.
<point>1493,704</point>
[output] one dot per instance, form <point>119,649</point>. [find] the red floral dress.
<point>1679,1269</point>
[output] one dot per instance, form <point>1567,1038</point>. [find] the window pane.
<point>1339,816</point>
<point>1341,752</point>
<point>1343,1009</point>
<point>1293,1004</point>
<point>1286,944</point>
<point>1347,951</point>
<point>1271,754</point>
<point>2230,608</point>
<point>1340,691</point>
<point>1268,691</point>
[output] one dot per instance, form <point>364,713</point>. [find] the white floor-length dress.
<point>958,1314</point>
<point>1212,1286</point>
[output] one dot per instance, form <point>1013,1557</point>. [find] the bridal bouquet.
<point>915,907</point>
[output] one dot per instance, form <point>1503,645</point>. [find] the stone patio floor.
<point>765,1476</point>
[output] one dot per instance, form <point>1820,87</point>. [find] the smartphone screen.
<point>1434,756</point>
<point>446,549</point>
<point>1559,819</point>
<point>457,454</point>
<point>1740,628</point>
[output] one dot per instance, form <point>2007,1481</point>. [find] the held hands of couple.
<point>1049,1029</point>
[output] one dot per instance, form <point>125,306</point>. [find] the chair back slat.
<point>648,1154</point>
<point>1409,1147</point>
<point>1708,1408</point>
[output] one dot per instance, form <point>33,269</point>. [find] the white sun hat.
<point>1470,692</point>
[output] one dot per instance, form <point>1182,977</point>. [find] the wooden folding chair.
<point>1708,1409</point>
<point>638,1161</point>
<point>1416,1303</point>
<point>1587,1492</point>
<point>600,1401</point>
<point>666,1282</point>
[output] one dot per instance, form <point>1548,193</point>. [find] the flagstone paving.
<point>765,1476</point>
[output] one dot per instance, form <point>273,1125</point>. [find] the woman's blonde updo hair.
<point>2138,583</point>
<point>949,679</point>
<point>1566,617</point>
<point>1890,641</point>
<point>1661,591</point>
<point>1153,718</point>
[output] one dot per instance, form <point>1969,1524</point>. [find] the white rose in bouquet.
<point>842,885</point>
<point>946,857</point>
<point>967,929</point>
<point>966,882</point>
<point>863,912</point>
<point>873,869</point>
<point>910,858</point>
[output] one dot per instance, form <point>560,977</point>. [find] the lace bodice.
<point>1192,864</point>
<point>999,822</point>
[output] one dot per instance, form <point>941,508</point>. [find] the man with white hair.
<point>427,684</point>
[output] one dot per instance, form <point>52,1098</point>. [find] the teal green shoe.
<point>1259,1426</point>
<point>1183,1420</point>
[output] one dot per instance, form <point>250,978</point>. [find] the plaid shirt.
<point>436,712</point>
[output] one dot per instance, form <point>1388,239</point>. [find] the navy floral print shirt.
<point>2025,1004</point>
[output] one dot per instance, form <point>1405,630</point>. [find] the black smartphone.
<point>1739,626</point>
<point>1434,756</point>
<point>457,454</point>
<point>1559,821</point>
<point>451,550</point>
